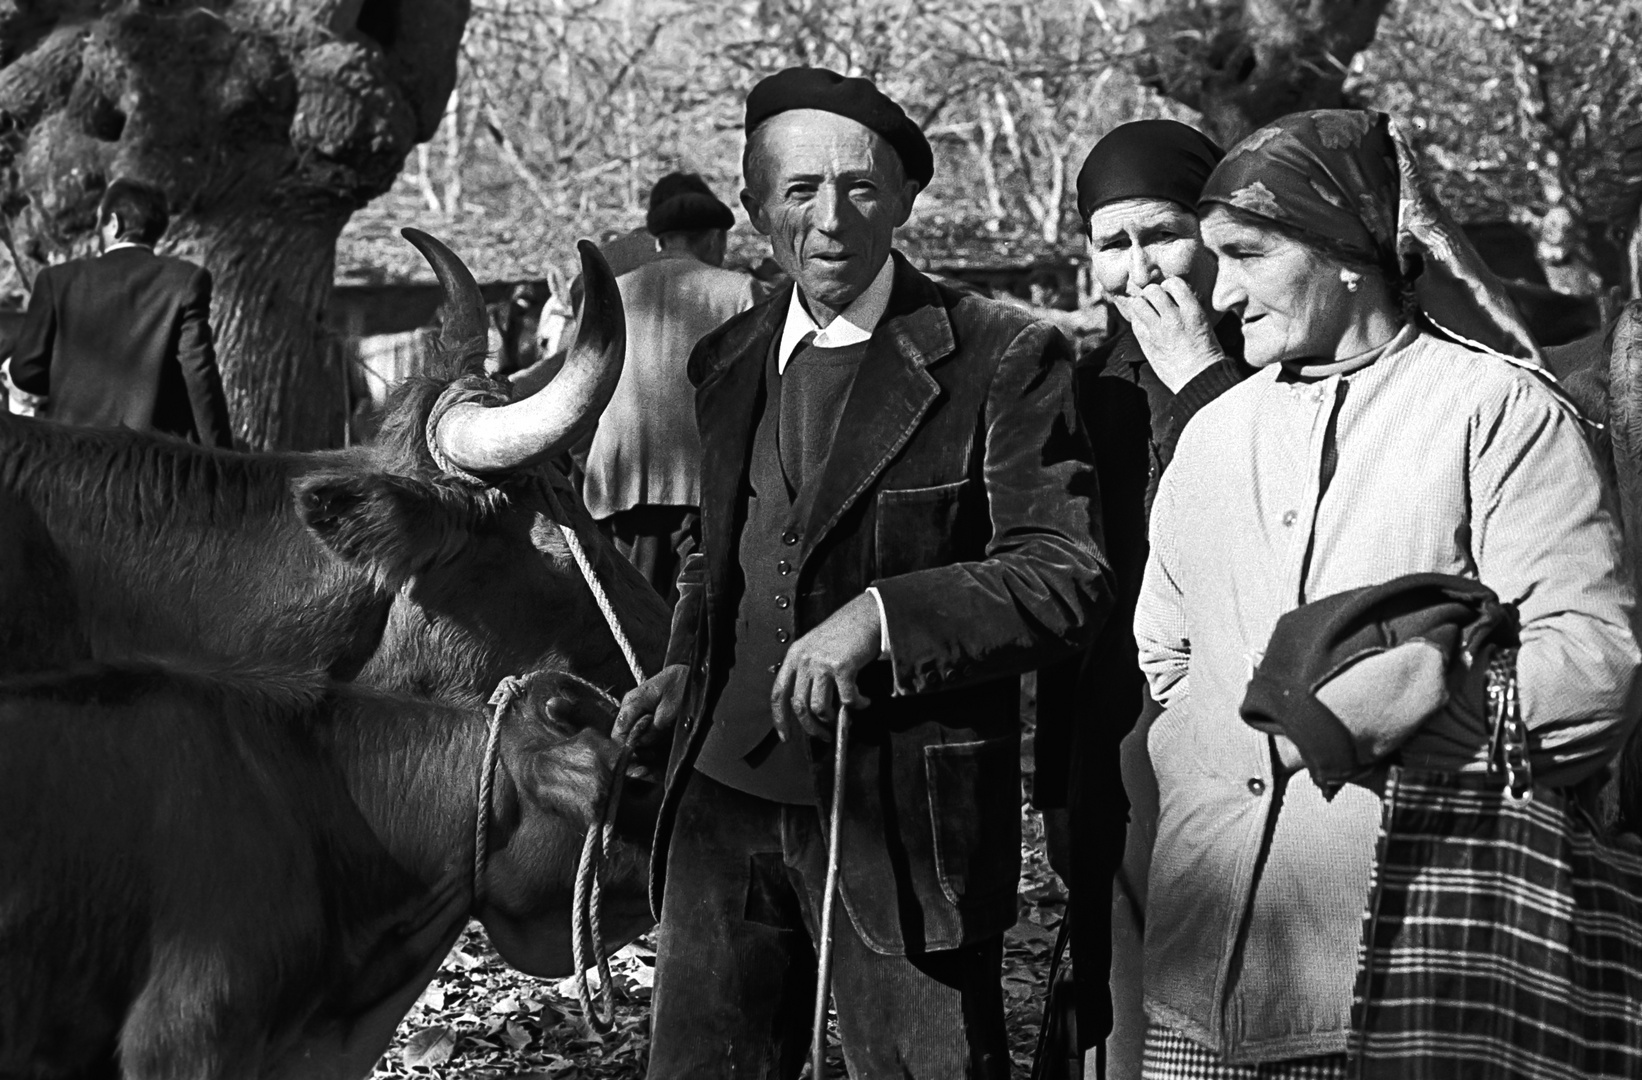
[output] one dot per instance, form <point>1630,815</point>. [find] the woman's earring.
<point>1351,279</point>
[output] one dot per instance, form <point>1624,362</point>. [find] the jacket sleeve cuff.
<point>1205,386</point>
<point>23,403</point>
<point>883,625</point>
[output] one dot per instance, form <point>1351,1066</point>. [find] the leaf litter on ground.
<point>480,1019</point>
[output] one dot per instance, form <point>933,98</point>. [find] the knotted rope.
<point>501,699</point>
<point>599,844</point>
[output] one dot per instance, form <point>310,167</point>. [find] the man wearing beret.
<point>643,468</point>
<point>899,516</point>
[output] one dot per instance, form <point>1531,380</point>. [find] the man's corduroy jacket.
<point>960,486</point>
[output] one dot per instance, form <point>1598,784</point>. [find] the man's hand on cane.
<point>818,674</point>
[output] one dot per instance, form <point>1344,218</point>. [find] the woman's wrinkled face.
<point>1290,298</point>
<point>1139,242</point>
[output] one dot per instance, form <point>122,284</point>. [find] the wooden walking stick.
<point>823,964</point>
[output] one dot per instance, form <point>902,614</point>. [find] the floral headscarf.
<point>1352,177</point>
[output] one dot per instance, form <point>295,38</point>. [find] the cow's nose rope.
<point>585,922</point>
<point>597,849</point>
<point>501,699</point>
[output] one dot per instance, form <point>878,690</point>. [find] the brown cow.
<point>211,874</point>
<point>372,563</point>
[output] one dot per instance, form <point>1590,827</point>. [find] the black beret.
<point>857,99</point>
<point>682,202</point>
<point>1147,159</point>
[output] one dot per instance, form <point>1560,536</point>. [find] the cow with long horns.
<point>429,563</point>
<point>373,563</point>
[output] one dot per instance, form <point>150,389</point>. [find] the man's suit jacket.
<point>123,339</point>
<point>960,485</point>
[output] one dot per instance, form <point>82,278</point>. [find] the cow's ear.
<point>394,525</point>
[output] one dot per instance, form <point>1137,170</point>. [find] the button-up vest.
<point>741,749</point>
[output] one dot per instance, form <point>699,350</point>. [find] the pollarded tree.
<point>266,122</point>
<point>1244,63</point>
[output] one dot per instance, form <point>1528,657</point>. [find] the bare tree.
<point>1530,110</point>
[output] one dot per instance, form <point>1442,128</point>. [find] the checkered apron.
<point>1169,1055</point>
<point>1503,934</point>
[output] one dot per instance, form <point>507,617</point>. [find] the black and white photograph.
<point>820,539</point>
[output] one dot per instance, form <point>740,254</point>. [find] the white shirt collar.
<point>118,244</point>
<point>853,325</point>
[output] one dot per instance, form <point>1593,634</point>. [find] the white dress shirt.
<point>853,325</point>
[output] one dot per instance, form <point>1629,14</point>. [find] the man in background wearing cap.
<point>898,516</point>
<point>643,469</point>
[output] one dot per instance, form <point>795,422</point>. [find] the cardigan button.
<point>1290,517</point>
<point>783,567</point>
<point>781,601</point>
<point>1257,787</point>
<point>782,636</point>
<point>790,537</point>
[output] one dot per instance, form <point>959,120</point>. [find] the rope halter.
<point>600,841</point>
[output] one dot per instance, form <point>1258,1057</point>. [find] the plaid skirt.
<point>1169,1055</point>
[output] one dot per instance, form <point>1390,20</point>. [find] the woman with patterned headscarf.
<point>1398,423</point>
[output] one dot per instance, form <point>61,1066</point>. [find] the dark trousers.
<point>655,539</point>
<point>735,970</point>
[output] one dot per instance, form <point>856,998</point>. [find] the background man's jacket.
<point>123,339</point>
<point>961,486</point>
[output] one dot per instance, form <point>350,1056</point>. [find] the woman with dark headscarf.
<point>1170,355</point>
<point>1398,424</point>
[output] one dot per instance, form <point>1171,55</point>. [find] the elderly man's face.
<point>829,194</point>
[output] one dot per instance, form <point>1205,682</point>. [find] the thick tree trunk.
<point>272,280</point>
<point>265,122</point>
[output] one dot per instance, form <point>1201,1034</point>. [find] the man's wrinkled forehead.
<point>818,144</point>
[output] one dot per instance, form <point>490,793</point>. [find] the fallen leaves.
<point>429,1047</point>
<point>480,1019</point>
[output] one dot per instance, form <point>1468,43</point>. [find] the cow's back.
<point>162,548</point>
<point>167,847</point>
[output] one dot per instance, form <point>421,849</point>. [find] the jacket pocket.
<point>974,810</point>
<point>917,528</point>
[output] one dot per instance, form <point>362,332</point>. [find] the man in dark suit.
<point>124,339</point>
<point>898,516</point>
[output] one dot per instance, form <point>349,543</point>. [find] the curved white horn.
<point>527,432</point>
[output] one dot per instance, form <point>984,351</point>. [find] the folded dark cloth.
<point>1350,678</point>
